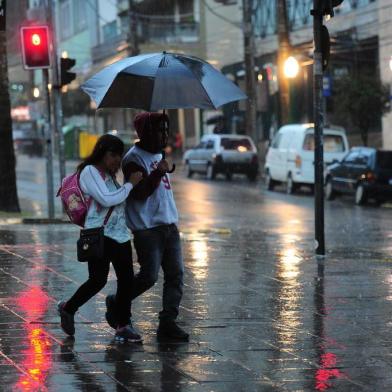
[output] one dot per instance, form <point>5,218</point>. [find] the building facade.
<point>174,26</point>
<point>360,42</point>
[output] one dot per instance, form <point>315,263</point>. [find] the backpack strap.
<point>108,215</point>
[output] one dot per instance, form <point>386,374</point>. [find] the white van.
<point>290,158</point>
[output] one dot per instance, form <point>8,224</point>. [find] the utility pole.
<point>49,146</point>
<point>318,127</point>
<point>56,92</point>
<point>250,76</point>
<point>133,40</point>
<point>283,53</point>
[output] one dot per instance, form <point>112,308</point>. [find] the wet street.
<point>262,313</point>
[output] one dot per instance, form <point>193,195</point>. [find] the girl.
<point>98,183</point>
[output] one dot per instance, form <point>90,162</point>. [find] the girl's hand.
<point>163,166</point>
<point>135,178</point>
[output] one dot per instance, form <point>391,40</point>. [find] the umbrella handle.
<point>173,167</point>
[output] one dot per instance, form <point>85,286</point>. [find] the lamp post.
<point>292,68</point>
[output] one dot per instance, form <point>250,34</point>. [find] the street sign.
<point>2,14</point>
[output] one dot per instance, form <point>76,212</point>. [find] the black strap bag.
<point>91,244</point>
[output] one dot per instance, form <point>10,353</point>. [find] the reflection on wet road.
<point>263,315</point>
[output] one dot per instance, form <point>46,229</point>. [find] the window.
<point>210,145</point>
<point>332,143</point>
<point>80,15</point>
<point>109,31</point>
<point>201,145</point>
<point>236,144</point>
<point>351,157</point>
<point>65,19</point>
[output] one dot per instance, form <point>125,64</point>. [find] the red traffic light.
<point>35,47</point>
<point>36,39</point>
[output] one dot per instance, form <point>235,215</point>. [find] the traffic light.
<point>329,5</point>
<point>65,65</point>
<point>325,47</point>
<point>35,47</point>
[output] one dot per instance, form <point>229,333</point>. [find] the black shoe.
<point>110,314</point>
<point>67,319</point>
<point>128,333</point>
<point>170,329</point>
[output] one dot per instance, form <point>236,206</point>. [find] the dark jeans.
<point>121,257</point>
<point>156,247</point>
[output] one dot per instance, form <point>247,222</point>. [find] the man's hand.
<point>163,166</point>
<point>135,178</point>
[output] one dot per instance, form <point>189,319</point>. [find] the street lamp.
<point>390,64</point>
<point>291,67</point>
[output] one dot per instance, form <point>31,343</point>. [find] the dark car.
<point>364,172</point>
<point>27,139</point>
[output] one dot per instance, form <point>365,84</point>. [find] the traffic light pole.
<point>318,128</point>
<point>250,76</point>
<point>56,92</point>
<point>49,147</point>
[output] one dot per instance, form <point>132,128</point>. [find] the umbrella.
<point>158,81</point>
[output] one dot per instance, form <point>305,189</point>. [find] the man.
<point>152,216</point>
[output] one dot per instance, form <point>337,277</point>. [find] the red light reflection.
<point>37,358</point>
<point>327,371</point>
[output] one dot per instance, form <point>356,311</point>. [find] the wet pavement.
<point>262,313</point>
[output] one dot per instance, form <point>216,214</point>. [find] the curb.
<point>44,221</point>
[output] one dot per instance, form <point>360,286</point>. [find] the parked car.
<point>290,158</point>
<point>365,172</point>
<point>223,154</point>
<point>27,139</point>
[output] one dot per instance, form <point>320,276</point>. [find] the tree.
<point>8,193</point>
<point>361,100</point>
<point>284,50</point>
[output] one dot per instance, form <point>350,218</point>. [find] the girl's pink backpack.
<point>73,199</point>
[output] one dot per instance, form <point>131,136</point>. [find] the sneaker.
<point>170,329</point>
<point>67,319</point>
<point>128,333</point>
<point>110,314</point>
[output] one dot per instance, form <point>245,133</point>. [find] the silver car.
<point>223,154</point>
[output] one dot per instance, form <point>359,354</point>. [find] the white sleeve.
<point>93,184</point>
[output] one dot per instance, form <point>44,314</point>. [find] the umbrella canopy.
<point>158,81</point>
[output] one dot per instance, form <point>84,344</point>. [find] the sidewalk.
<point>263,316</point>
<point>333,332</point>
